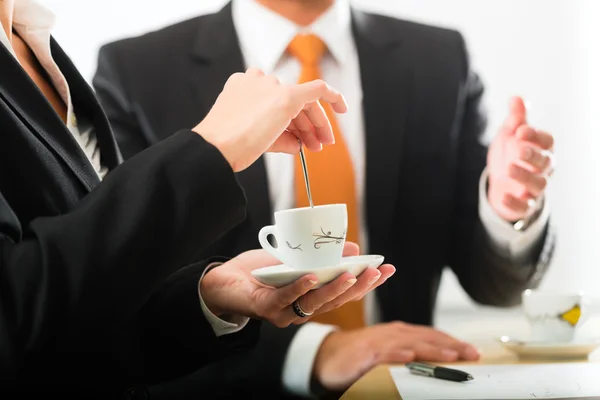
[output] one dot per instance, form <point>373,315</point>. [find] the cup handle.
<point>264,242</point>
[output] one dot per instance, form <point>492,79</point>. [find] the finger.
<point>517,206</point>
<point>394,354</point>
<point>366,280</point>
<point>318,90</point>
<point>313,301</point>
<point>469,353</point>
<point>254,72</point>
<point>534,183</point>
<point>385,353</point>
<point>350,249</point>
<point>539,160</point>
<point>286,143</point>
<point>517,115</point>
<point>442,340</point>
<point>306,132</point>
<point>318,118</point>
<point>541,139</point>
<point>358,290</point>
<point>551,164</point>
<point>292,128</point>
<point>386,271</point>
<point>286,295</point>
<point>429,352</point>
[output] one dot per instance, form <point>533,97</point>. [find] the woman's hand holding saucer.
<point>231,289</point>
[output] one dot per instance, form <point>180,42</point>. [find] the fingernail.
<point>349,283</point>
<point>311,283</point>
<point>527,154</point>
<point>471,353</point>
<point>447,353</point>
<point>374,279</point>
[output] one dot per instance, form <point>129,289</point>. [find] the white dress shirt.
<point>33,23</point>
<point>264,36</point>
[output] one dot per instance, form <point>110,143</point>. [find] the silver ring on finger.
<point>299,311</point>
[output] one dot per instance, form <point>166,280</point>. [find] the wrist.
<point>320,363</point>
<point>299,363</point>
<point>217,141</point>
<point>208,293</point>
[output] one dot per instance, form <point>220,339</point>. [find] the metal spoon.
<point>305,170</point>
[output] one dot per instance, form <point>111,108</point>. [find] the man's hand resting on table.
<point>346,356</point>
<point>231,289</point>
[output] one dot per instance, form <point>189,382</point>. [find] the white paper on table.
<point>507,382</point>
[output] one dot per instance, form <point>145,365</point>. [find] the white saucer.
<point>578,348</point>
<point>281,275</point>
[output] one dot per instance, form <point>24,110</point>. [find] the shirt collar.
<point>28,15</point>
<point>32,15</point>
<point>264,35</point>
<point>8,8</point>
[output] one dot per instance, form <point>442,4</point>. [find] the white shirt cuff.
<point>298,366</point>
<point>502,232</point>
<point>234,323</point>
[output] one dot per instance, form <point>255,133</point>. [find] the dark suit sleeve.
<point>173,324</point>
<point>87,273</point>
<point>488,274</point>
<point>256,373</point>
<point>121,113</point>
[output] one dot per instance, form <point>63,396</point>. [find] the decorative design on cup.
<point>326,238</point>
<point>571,316</point>
<point>299,247</point>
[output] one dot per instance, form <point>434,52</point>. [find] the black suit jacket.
<point>424,158</point>
<point>93,296</point>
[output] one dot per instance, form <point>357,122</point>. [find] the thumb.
<point>517,115</point>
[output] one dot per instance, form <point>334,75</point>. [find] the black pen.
<point>439,372</point>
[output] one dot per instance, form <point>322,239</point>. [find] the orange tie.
<point>332,179</point>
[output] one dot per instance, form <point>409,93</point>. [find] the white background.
<point>545,50</point>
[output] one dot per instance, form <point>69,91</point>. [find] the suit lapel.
<point>386,81</point>
<point>216,56</point>
<point>86,103</point>
<point>28,102</point>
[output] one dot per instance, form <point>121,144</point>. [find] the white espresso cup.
<point>554,316</point>
<point>307,237</point>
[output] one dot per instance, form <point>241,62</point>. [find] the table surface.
<point>378,383</point>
